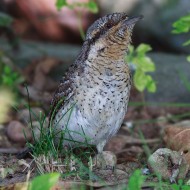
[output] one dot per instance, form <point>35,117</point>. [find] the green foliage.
<point>186,43</point>
<point>45,182</point>
<point>188,58</point>
<point>8,77</point>
<point>68,162</point>
<point>143,64</point>
<point>182,26</point>
<point>90,5</point>
<point>60,3</point>
<point>5,20</point>
<point>136,180</point>
<point>180,186</point>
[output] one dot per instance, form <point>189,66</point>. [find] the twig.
<point>10,150</point>
<point>129,140</point>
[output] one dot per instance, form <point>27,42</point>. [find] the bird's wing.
<point>62,94</point>
<point>66,88</point>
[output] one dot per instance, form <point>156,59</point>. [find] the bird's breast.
<point>103,92</point>
<point>99,100</point>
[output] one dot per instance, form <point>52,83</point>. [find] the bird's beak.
<point>130,21</point>
<point>127,24</point>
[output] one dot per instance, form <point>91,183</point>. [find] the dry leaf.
<point>177,137</point>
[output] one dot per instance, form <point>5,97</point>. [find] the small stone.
<point>184,123</point>
<point>16,130</point>
<point>24,114</point>
<point>129,124</point>
<point>168,164</point>
<point>145,171</point>
<point>105,160</point>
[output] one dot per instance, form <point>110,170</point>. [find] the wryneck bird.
<point>91,101</point>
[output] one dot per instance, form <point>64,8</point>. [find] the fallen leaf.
<point>177,137</point>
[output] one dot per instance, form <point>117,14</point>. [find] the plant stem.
<point>81,30</point>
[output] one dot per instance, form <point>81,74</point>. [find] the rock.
<point>185,123</point>
<point>105,160</point>
<point>170,85</point>
<point>65,52</point>
<point>159,15</point>
<point>24,114</point>
<point>15,132</point>
<point>168,164</point>
<point>4,141</point>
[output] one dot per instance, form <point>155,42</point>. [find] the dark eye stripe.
<point>103,24</point>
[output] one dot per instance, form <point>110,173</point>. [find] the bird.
<point>91,101</point>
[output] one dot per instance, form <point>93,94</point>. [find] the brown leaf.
<point>177,137</point>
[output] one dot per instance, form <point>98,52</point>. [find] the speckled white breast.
<point>97,108</point>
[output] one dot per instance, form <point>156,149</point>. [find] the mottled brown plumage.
<point>91,100</point>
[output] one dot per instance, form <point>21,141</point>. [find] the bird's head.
<point>111,35</point>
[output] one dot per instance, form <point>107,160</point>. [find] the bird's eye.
<point>108,25</point>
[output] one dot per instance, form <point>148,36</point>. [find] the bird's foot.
<point>105,160</point>
<point>108,167</point>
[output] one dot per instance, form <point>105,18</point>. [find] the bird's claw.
<point>108,167</point>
